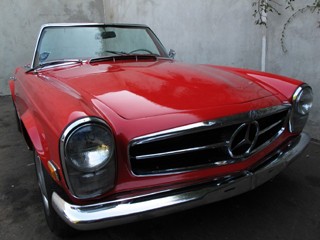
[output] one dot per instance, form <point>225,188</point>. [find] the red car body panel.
<point>159,88</point>
<point>141,98</point>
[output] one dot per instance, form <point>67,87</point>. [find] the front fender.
<point>34,133</point>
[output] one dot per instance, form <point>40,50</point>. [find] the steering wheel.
<point>141,50</point>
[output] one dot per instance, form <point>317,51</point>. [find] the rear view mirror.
<point>106,35</point>
<point>43,56</point>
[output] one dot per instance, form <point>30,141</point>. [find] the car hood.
<point>143,89</point>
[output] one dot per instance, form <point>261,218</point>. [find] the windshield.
<point>85,42</point>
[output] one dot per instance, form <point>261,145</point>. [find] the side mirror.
<point>172,53</point>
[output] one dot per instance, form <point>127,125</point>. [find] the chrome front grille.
<point>207,144</point>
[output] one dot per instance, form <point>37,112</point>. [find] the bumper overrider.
<point>120,211</point>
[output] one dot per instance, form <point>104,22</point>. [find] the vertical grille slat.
<point>205,145</point>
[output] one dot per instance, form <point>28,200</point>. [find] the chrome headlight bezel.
<point>87,152</point>
<point>302,99</point>
<point>301,105</point>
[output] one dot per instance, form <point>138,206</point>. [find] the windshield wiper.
<point>56,62</point>
<point>116,52</point>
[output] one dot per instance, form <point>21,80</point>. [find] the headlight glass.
<point>302,102</point>
<point>87,150</point>
<point>90,148</point>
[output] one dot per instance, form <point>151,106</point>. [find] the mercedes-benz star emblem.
<point>243,140</point>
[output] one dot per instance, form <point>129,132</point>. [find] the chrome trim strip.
<point>120,211</point>
<point>68,62</point>
<point>170,132</point>
<point>182,151</point>
<point>297,92</point>
<point>270,127</point>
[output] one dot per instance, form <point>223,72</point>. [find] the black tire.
<point>45,182</point>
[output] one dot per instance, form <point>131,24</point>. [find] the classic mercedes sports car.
<point>122,132</point>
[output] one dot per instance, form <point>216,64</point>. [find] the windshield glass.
<point>84,42</point>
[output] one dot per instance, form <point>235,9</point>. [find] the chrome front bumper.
<point>126,210</point>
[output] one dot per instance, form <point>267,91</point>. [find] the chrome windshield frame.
<point>153,36</point>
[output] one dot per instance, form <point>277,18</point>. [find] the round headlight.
<point>302,103</point>
<point>89,147</point>
<point>302,99</point>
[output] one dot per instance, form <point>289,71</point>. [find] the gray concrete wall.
<point>206,31</point>
<point>224,33</point>
<point>21,21</point>
<point>302,60</point>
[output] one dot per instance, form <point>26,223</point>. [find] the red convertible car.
<point>122,132</point>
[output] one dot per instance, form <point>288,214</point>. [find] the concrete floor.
<point>286,208</point>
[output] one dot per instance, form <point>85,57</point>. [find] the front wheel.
<point>45,182</point>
